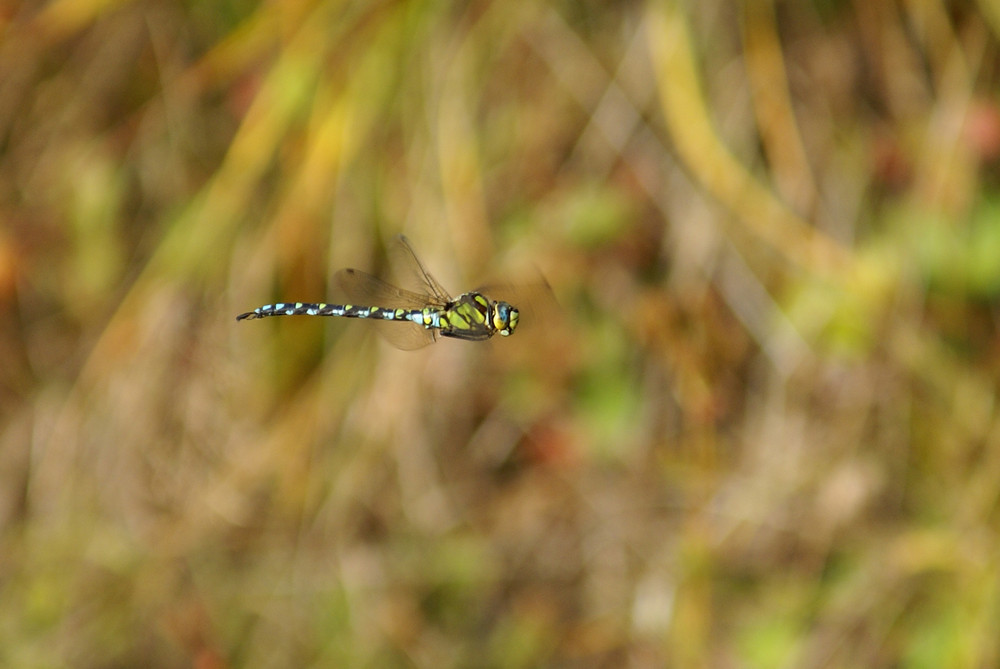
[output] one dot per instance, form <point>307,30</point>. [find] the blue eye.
<point>503,312</point>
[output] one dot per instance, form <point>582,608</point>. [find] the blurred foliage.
<point>754,424</point>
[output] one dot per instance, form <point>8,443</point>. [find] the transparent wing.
<point>364,289</point>
<point>370,291</point>
<point>535,302</point>
<point>405,259</point>
<point>404,335</point>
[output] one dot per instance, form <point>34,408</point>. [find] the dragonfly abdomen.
<point>419,316</point>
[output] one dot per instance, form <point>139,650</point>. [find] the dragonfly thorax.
<point>473,316</point>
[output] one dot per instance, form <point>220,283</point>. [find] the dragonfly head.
<point>504,318</point>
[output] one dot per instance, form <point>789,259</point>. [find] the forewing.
<point>406,261</point>
<point>366,290</point>
<point>535,302</point>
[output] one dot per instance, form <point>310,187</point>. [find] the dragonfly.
<point>414,319</point>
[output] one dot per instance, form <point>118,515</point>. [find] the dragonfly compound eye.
<point>504,318</point>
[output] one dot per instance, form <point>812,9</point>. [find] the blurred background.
<point>754,424</point>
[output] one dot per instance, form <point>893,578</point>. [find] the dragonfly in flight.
<point>420,317</point>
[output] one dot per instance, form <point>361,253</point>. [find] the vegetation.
<point>760,430</point>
